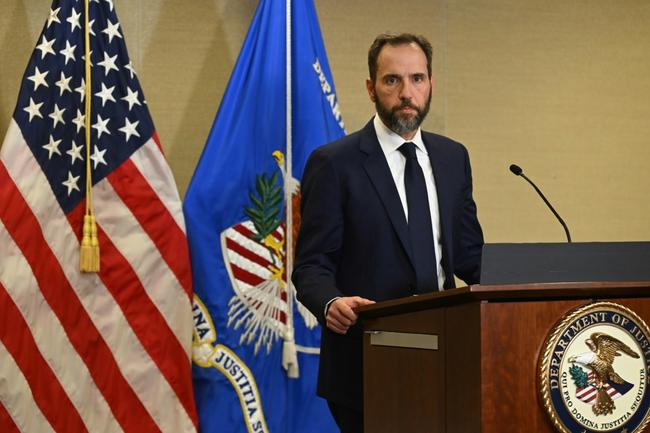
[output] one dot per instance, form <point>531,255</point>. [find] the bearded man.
<point>387,212</point>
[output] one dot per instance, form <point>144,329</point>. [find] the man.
<point>382,219</point>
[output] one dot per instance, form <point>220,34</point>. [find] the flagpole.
<point>289,355</point>
<point>289,158</point>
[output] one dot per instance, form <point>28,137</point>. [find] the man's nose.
<point>406,91</point>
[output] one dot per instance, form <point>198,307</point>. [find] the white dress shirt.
<point>390,143</point>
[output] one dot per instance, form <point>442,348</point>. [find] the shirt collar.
<point>390,141</point>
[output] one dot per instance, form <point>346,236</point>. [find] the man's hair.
<point>395,40</point>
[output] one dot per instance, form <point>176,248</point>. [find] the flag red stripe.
<point>6,422</point>
<point>246,253</point>
<point>242,229</point>
<point>144,318</point>
<point>87,341</point>
<point>589,394</point>
<point>278,233</point>
<point>48,393</point>
<point>155,219</point>
<point>589,398</point>
<point>157,141</point>
<point>245,276</point>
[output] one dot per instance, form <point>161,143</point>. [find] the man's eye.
<point>391,80</point>
<point>418,78</point>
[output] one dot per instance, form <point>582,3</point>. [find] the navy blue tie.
<point>419,222</point>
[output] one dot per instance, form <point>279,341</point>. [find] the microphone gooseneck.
<point>517,171</point>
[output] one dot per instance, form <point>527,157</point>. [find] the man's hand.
<point>340,315</point>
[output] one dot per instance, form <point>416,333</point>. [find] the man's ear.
<point>371,90</point>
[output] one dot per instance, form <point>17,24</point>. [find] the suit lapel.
<point>442,176</point>
<point>379,173</point>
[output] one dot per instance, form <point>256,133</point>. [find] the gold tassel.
<point>89,253</point>
<point>89,249</point>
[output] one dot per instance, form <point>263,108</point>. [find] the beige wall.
<point>562,88</point>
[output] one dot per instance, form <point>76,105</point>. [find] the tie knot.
<point>408,149</point>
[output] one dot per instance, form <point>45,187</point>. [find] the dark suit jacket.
<point>354,240</point>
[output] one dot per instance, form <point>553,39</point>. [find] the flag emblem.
<point>254,254</point>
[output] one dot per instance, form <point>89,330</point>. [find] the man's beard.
<point>401,124</point>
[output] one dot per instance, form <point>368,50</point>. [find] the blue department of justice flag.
<point>255,347</point>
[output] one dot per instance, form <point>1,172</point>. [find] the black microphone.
<point>517,171</point>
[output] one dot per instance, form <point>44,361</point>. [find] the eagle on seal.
<point>604,349</point>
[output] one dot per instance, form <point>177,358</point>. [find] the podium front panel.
<point>484,376</point>
<point>403,399</point>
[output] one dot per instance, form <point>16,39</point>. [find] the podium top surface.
<point>563,262</point>
<point>508,293</point>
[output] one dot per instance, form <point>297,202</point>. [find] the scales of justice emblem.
<point>258,254</point>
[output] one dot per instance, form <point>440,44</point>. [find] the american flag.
<point>90,352</point>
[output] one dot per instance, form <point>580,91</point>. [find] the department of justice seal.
<point>593,371</point>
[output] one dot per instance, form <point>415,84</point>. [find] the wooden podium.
<point>465,360</point>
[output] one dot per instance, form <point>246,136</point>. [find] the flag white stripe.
<point>590,392</point>
<point>151,161</point>
<point>250,225</point>
<point>16,397</point>
<point>53,343</point>
<point>13,151</point>
<point>248,243</point>
<point>160,283</point>
<point>586,393</point>
<point>135,364</point>
<point>248,265</point>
